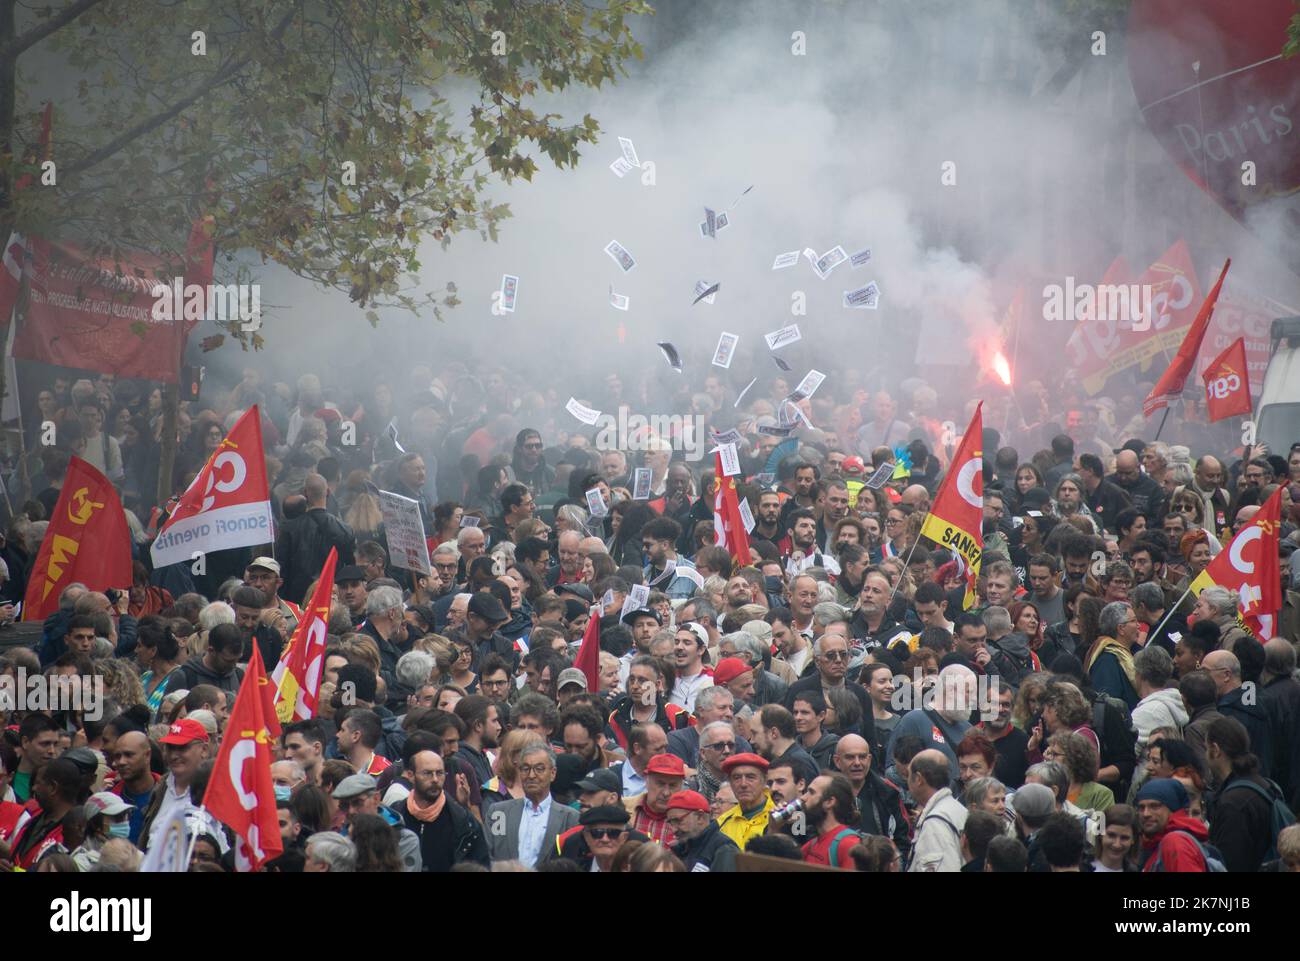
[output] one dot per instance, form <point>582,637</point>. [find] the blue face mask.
<point>119,829</point>
<point>281,792</point>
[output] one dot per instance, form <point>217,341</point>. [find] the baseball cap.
<point>604,814</point>
<point>688,801</point>
<point>268,563</point>
<point>600,779</point>
<point>571,675</point>
<point>351,572</point>
<point>743,760</point>
<point>668,764</point>
<point>355,785</point>
<point>578,590</point>
<point>701,634</point>
<point>632,615</point>
<point>105,802</point>
<point>207,719</point>
<point>185,731</point>
<point>728,669</point>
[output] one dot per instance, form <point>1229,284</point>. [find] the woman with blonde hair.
<point>507,785</point>
<point>364,517</point>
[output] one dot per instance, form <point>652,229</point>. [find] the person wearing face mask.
<point>107,817</point>
<point>285,776</point>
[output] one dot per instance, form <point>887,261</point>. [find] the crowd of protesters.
<point>828,702</point>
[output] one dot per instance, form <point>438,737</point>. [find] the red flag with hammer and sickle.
<point>87,542</point>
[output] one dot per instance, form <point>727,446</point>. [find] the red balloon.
<point>1213,88</point>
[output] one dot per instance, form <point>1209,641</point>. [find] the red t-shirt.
<point>819,851</point>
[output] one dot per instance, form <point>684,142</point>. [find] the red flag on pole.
<point>588,659</point>
<point>1227,383</point>
<point>956,521</point>
<point>728,528</point>
<point>1171,384</point>
<point>240,794</point>
<point>87,542</point>
<point>1248,566</point>
<point>297,676</point>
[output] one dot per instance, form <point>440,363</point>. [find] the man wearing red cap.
<point>185,747</point>
<point>748,819</point>
<point>664,774</point>
<point>700,842</point>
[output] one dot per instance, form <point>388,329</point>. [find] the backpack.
<point>1280,815</point>
<point>833,854</point>
<point>1213,859</point>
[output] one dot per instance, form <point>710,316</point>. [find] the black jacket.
<point>1281,700</point>
<point>303,545</point>
<point>881,811</point>
<point>1241,822</point>
<point>468,843</point>
<point>1106,502</point>
<point>1148,497</point>
<point>1254,718</point>
<point>711,851</point>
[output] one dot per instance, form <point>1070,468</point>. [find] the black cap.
<point>486,606</point>
<point>569,770</point>
<point>86,760</point>
<point>601,779</point>
<point>605,814</point>
<point>632,615</point>
<point>352,572</point>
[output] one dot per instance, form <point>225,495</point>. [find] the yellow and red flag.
<point>240,794</point>
<point>1248,566</point>
<point>297,676</point>
<point>87,542</point>
<point>957,518</point>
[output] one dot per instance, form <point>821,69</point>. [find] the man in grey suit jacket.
<point>524,829</point>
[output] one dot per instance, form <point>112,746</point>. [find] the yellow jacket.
<point>741,829</point>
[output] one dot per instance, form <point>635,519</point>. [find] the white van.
<point>1277,418</point>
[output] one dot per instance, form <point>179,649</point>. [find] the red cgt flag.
<point>1248,566</point>
<point>87,542</point>
<point>1227,383</point>
<point>240,794</point>
<point>728,528</point>
<point>297,676</point>
<point>1172,381</point>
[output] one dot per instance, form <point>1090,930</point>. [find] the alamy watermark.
<point>223,302</point>
<point>637,432</point>
<point>52,692</point>
<point>1131,306</point>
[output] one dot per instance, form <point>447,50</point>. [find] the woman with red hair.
<point>1027,620</point>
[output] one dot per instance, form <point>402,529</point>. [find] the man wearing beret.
<point>700,842</point>
<point>602,830</point>
<point>1171,838</point>
<point>664,774</point>
<point>748,819</point>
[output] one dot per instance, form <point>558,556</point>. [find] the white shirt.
<point>171,799</point>
<point>532,830</point>
<point>799,659</point>
<point>687,689</point>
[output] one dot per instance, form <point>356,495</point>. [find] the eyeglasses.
<point>721,746</point>
<point>836,655</point>
<point>537,769</point>
<point>533,446</point>
<point>604,834</point>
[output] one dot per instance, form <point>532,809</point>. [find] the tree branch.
<point>219,79</point>
<point>18,44</point>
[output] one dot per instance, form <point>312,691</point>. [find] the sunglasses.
<point>533,447</point>
<point>604,834</point>
<point>836,655</point>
